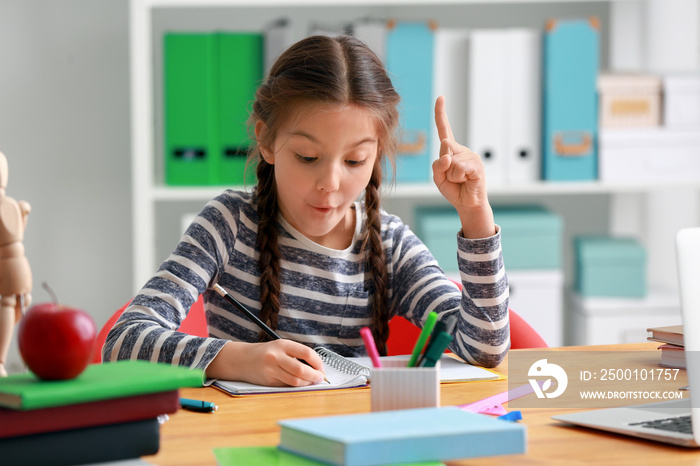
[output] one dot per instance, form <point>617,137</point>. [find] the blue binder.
<point>409,61</point>
<point>570,116</point>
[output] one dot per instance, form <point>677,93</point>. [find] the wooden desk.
<point>188,438</point>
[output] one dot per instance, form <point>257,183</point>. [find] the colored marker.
<point>198,405</point>
<point>424,334</point>
<point>371,348</point>
<point>438,345</point>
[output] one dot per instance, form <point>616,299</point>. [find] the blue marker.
<point>198,405</point>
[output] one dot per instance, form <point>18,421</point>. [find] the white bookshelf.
<point>651,211</point>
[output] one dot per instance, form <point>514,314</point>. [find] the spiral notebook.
<point>340,372</point>
<point>343,372</point>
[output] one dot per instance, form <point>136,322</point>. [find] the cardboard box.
<point>610,267</point>
<point>438,228</point>
<point>681,106</point>
<point>652,154</point>
<point>605,321</point>
<point>629,101</point>
<point>531,237</point>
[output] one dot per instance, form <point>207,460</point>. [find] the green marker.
<point>427,329</point>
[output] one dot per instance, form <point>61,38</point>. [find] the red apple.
<point>56,342</point>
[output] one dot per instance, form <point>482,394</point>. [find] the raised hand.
<point>460,176</point>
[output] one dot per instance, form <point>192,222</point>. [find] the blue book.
<point>401,436</point>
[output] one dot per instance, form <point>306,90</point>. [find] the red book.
<point>14,423</point>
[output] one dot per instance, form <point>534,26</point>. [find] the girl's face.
<point>323,160</point>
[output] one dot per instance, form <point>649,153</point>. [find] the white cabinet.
<point>652,211</point>
<point>537,296</point>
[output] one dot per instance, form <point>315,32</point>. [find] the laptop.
<point>674,422</point>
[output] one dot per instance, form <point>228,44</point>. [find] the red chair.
<point>195,324</point>
<point>402,333</point>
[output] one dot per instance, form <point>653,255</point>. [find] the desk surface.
<point>189,438</point>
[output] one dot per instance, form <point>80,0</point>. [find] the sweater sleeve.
<point>482,333</point>
<point>147,329</point>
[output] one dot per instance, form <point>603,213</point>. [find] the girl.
<point>317,264</point>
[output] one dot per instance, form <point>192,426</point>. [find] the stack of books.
<point>425,436</point>
<point>672,349</point>
<point>109,412</point>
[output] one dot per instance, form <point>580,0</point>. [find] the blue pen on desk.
<point>198,405</point>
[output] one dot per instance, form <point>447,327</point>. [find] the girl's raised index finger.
<point>441,121</point>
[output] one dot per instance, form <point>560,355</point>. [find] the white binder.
<point>278,38</point>
<point>523,105</point>
<point>373,33</point>
<point>449,72</point>
<point>486,120</point>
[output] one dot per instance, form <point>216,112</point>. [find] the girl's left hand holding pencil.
<point>460,176</point>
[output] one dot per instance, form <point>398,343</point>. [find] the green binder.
<point>240,73</point>
<point>209,83</point>
<point>189,108</point>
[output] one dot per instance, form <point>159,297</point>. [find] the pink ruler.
<point>494,404</point>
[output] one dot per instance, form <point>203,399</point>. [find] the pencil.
<point>239,306</point>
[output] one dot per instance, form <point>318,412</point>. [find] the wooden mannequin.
<point>15,274</point>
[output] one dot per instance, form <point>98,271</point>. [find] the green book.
<point>273,456</point>
<point>97,382</point>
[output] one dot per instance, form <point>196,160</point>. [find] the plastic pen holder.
<point>395,386</point>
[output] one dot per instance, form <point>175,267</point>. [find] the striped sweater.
<point>324,298</point>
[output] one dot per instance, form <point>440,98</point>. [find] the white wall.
<point>64,127</point>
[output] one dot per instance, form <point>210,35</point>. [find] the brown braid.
<point>339,71</point>
<point>269,260</point>
<point>376,263</point>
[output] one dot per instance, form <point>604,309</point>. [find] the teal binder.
<point>570,115</point>
<point>189,112</point>
<point>409,61</point>
<point>240,73</point>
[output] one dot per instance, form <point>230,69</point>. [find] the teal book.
<point>273,456</point>
<point>403,436</point>
<point>97,382</point>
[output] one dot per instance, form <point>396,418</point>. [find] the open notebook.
<point>340,372</point>
<point>343,372</point>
